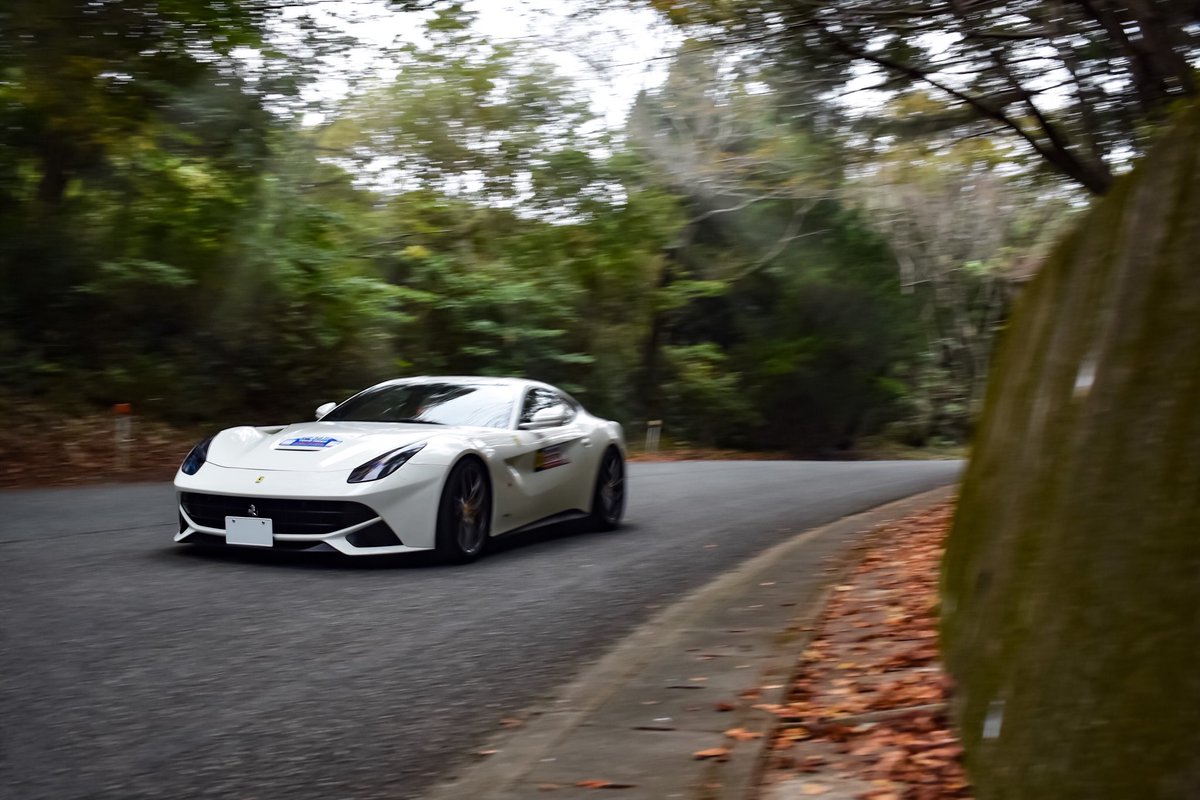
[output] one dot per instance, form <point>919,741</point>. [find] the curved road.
<point>134,668</point>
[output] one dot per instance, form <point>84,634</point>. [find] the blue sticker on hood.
<point>314,442</point>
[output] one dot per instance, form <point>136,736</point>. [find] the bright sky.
<point>613,54</point>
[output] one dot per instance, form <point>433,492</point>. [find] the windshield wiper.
<point>417,421</point>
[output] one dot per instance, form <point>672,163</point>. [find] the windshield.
<point>480,405</point>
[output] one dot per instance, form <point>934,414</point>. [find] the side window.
<point>571,403</point>
<point>535,401</point>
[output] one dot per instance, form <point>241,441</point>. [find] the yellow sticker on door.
<point>550,457</point>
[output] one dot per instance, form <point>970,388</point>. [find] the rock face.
<point>1071,584</point>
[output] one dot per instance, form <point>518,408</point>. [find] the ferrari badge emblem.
<point>259,479</point>
<point>253,510</point>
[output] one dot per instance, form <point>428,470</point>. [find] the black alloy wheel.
<point>465,513</point>
<point>608,499</point>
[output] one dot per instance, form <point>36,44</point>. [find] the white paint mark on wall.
<point>994,720</point>
<point>1085,377</point>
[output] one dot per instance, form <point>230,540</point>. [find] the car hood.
<point>312,446</point>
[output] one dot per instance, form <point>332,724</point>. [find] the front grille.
<point>313,517</point>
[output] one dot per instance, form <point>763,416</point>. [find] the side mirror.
<point>325,408</point>
<point>550,417</point>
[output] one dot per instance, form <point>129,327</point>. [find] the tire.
<point>463,537</point>
<point>608,498</point>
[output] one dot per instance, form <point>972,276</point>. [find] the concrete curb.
<point>629,718</point>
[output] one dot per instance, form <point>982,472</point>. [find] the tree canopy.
<point>736,259</point>
<point>1081,83</point>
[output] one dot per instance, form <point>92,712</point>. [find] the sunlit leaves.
<point>465,116</point>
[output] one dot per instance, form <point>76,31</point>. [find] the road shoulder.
<point>680,682</point>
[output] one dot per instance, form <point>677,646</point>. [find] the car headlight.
<point>384,465</point>
<point>196,458</point>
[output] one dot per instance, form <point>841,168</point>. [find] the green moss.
<point>1072,577</point>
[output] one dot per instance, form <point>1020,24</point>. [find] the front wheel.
<point>464,513</point>
<point>608,499</point>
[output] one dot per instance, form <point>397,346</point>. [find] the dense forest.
<point>187,226</point>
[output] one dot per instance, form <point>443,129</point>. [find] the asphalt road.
<point>132,668</point>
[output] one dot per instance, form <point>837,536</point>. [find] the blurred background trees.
<point>190,222</point>
<point>1080,83</point>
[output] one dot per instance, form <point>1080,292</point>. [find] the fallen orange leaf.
<point>718,753</point>
<point>742,735</point>
<point>875,648</point>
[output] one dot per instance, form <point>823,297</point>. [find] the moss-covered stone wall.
<point>1071,585</point>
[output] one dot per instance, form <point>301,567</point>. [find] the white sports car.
<point>432,463</point>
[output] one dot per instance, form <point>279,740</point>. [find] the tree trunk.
<point>656,336</point>
<point>52,186</point>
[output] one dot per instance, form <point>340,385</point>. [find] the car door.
<point>553,459</point>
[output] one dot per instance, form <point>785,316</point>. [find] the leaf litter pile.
<point>866,715</point>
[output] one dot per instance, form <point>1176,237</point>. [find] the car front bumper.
<point>315,511</point>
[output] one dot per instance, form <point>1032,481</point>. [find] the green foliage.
<point>473,119</point>
<point>783,301</point>
<point>490,319</point>
<point>822,339</point>
<point>707,404</point>
<point>964,219</point>
<point>171,235</point>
